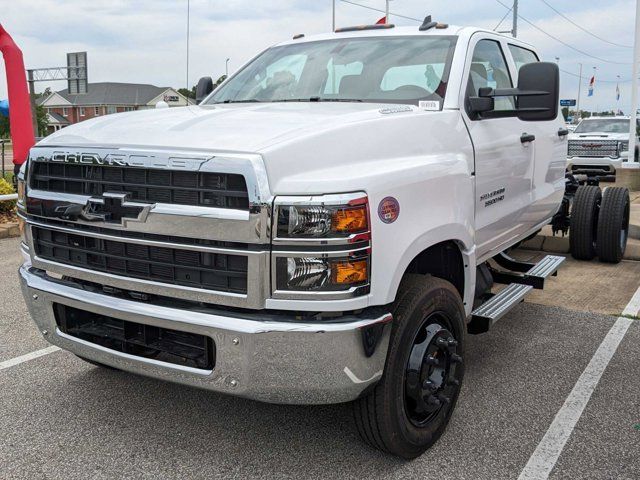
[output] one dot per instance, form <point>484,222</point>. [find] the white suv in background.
<point>598,146</point>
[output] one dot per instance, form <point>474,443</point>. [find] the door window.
<point>522,56</point>
<point>489,69</point>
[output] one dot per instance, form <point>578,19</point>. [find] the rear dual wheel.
<point>411,406</point>
<point>599,223</point>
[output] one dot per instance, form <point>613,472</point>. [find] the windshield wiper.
<point>317,99</point>
<point>248,100</point>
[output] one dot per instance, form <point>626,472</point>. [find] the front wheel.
<point>409,409</point>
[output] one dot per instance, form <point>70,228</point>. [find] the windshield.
<point>617,125</point>
<point>381,70</point>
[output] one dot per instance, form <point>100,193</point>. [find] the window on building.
<point>82,111</point>
<point>96,111</point>
<point>128,109</point>
<point>111,109</point>
<point>65,111</point>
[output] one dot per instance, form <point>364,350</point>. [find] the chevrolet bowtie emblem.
<point>108,208</point>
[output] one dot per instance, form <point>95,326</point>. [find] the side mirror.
<point>541,77</point>
<point>204,88</point>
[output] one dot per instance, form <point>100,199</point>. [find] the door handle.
<point>527,137</point>
<point>563,132</point>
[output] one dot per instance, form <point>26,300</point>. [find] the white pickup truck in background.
<point>326,226</point>
<point>598,146</point>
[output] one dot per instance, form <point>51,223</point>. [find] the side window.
<point>489,69</point>
<point>522,56</point>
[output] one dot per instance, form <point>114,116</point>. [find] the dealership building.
<point>104,98</point>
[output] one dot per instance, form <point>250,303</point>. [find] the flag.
<point>617,91</point>
<point>382,21</point>
<point>592,83</point>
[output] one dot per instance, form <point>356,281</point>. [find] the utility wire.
<point>564,43</point>
<point>503,18</point>
<point>588,78</point>
<point>379,10</point>
<point>582,28</point>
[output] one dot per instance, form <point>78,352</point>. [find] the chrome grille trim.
<point>604,148</point>
<point>250,227</point>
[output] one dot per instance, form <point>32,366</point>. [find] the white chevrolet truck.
<point>326,226</point>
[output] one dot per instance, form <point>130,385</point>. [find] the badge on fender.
<point>389,210</point>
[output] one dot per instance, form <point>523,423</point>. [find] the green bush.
<point>6,189</point>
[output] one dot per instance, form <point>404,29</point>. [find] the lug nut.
<point>444,399</point>
<point>456,358</point>
<point>429,385</point>
<point>431,360</point>
<point>431,400</point>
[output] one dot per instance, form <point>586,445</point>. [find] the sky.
<point>144,41</point>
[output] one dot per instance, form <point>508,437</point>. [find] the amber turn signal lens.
<point>345,272</point>
<point>350,220</point>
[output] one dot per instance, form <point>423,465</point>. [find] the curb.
<point>559,244</point>
<point>9,230</point>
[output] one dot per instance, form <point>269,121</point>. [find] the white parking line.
<point>548,450</point>
<point>29,356</point>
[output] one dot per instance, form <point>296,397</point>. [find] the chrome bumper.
<point>280,361</point>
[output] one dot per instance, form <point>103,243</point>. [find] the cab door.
<point>503,151</point>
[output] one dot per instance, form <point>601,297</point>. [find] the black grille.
<point>211,271</point>
<point>163,344</point>
<point>206,189</point>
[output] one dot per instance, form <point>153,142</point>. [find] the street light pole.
<point>226,68</point>
<point>634,89</point>
<point>579,89</point>
<point>514,31</point>
<point>386,13</point>
<point>333,12</point>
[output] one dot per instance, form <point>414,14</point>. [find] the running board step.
<point>526,273</point>
<point>496,307</point>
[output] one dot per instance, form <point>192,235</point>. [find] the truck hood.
<point>231,128</point>
<point>599,136</point>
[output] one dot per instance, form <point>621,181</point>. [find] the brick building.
<point>104,98</point>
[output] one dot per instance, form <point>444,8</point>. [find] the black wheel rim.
<point>431,378</point>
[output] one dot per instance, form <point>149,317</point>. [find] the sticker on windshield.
<point>430,105</point>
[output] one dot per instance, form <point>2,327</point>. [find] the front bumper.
<point>277,361</point>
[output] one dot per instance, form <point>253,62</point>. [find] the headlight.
<point>334,216</point>
<point>321,246</point>
<point>623,146</point>
<point>321,273</point>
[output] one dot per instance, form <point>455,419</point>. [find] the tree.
<point>41,117</point>
<point>219,81</point>
<point>188,93</point>
<point>565,113</point>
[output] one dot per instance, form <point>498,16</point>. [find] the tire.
<point>584,222</point>
<point>97,364</point>
<point>613,225</point>
<point>389,418</point>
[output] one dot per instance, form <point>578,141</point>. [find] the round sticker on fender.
<point>389,210</point>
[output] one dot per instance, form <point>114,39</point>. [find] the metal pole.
<point>634,89</point>
<point>386,13</point>
<point>188,8</point>
<point>333,15</point>
<point>514,31</point>
<point>226,68</point>
<point>32,98</point>
<point>2,158</point>
<point>579,89</point>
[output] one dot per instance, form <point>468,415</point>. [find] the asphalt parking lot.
<point>63,418</point>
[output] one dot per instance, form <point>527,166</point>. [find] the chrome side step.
<point>496,307</point>
<point>546,267</point>
<point>526,273</point>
